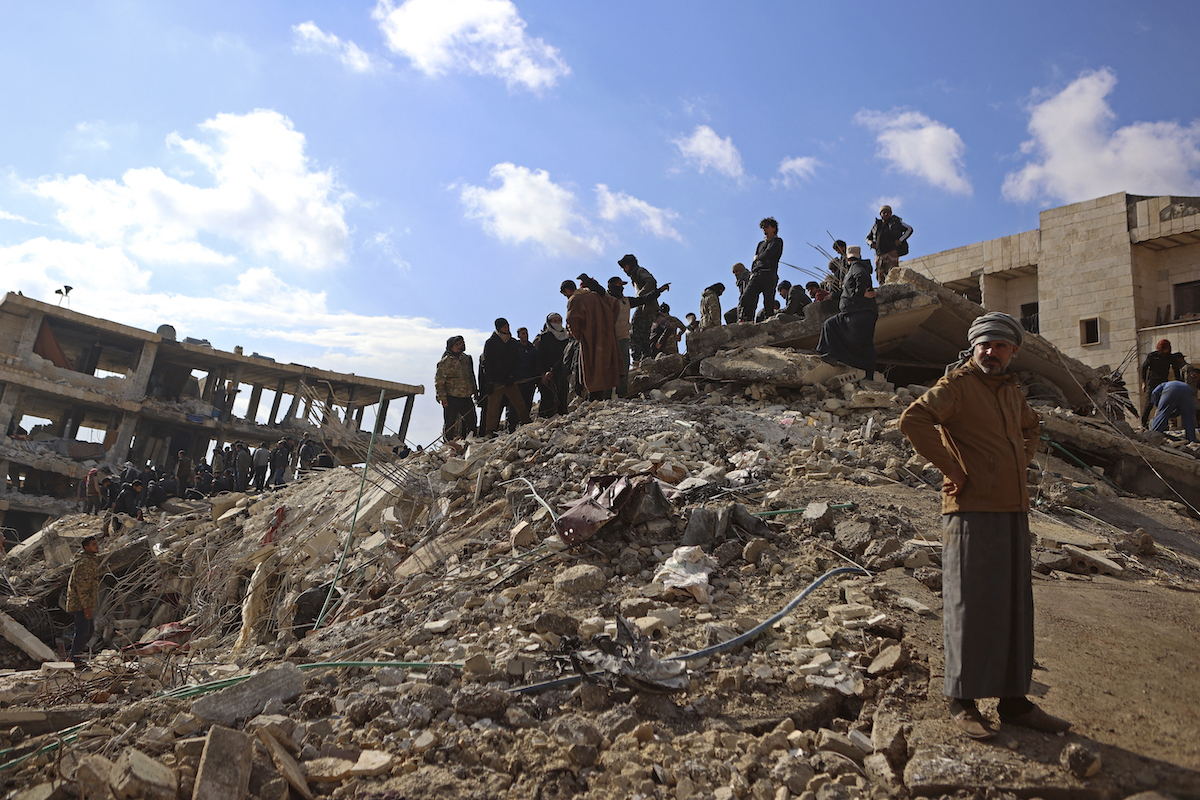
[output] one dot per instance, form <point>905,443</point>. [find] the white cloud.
<point>15,217</point>
<point>706,150</point>
<point>264,195</point>
<point>529,207</point>
<point>311,39</point>
<point>486,37</point>
<point>260,311</point>
<point>614,206</point>
<point>917,145</point>
<point>794,170</point>
<point>1077,154</point>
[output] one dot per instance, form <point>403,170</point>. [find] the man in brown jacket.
<point>83,587</point>
<point>975,426</point>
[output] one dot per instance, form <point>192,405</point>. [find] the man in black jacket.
<point>848,337</point>
<point>499,377</point>
<point>794,298</point>
<point>889,239</point>
<point>764,271</point>
<point>1156,369</point>
<point>644,314</point>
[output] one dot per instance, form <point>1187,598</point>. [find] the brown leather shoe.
<point>973,724</point>
<point>1038,720</point>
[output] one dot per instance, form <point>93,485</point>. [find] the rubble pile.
<point>613,603</point>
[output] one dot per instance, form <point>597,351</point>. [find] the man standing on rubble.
<point>975,426</point>
<point>889,239</point>
<point>455,389</point>
<point>645,286</point>
<point>499,378</point>
<point>83,590</point>
<point>262,462</point>
<point>591,321</point>
<point>764,271</point>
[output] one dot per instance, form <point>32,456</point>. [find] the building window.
<point>1187,300</point>
<point>1089,331</point>
<point>1029,317</point>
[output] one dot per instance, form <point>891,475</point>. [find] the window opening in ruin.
<point>86,434</point>
<point>1089,331</point>
<point>1187,300</point>
<point>1029,317</point>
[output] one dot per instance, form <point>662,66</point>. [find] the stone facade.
<point>1109,276</point>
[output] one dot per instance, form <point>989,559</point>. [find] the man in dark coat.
<point>644,315</point>
<point>498,377</point>
<point>794,298</point>
<point>889,239</point>
<point>764,271</point>
<point>848,337</point>
<point>552,347</point>
<point>183,473</point>
<point>1158,368</point>
<point>527,375</point>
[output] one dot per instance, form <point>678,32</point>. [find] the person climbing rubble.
<point>710,306</point>
<point>646,286</point>
<point>1176,398</point>
<point>976,427</point>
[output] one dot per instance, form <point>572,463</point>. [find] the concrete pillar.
<point>141,377</point>
<point>3,478</point>
<point>351,396</point>
<point>408,409</point>
<point>278,399</point>
<point>33,326</point>
<point>119,453</point>
<point>252,409</point>
<point>381,416</point>
<point>215,378</point>
<point>294,408</point>
<point>358,418</point>
<point>328,411</point>
<point>8,406</point>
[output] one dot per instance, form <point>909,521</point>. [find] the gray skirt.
<point>987,596</point>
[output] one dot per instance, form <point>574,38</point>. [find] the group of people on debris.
<point>1169,385</point>
<point>606,330</point>
<point>233,469</point>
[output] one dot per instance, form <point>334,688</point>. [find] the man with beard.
<point>975,426</point>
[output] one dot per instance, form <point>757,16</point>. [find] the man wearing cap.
<point>498,379</point>
<point>645,286</point>
<point>889,239</point>
<point>794,298</point>
<point>975,426</point>
<point>764,271</point>
<point>848,337</point>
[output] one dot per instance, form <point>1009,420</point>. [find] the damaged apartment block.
<point>150,396</point>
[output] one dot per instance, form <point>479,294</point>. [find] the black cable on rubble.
<point>722,647</point>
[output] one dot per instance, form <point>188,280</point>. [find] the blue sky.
<point>348,184</point>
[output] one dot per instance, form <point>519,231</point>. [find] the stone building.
<point>1103,279</point>
<point>151,396</point>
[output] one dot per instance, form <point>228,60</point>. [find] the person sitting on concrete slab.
<point>848,337</point>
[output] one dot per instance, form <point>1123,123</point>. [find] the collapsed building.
<point>601,604</point>
<point>149,396</point>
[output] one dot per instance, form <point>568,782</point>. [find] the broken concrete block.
<point>51,790</point>
<point>16,633</point>
<point>771,365</point>
<point>839,743</point>
<point>92,776</point>
<point>245,699</point>
<point>223,502</point>
<point>137,776</point>
<point>889,659</point>
<point>580,579</point>
<point>871,400</point>
<point>224,772</point>
<point>372,763</point>
<point>819,516</point>
<point>755,548</point>
<point>700,528</point>
<point>522,535</point>
<point>286,765</point>
<point>1089,562</point>
<point>327,770</point>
